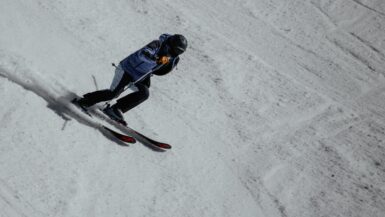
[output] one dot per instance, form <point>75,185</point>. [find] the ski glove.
<point>159,60</point>
<point>163,60</point>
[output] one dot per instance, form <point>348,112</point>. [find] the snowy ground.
<point>277,109</point>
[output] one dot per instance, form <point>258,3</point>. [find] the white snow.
<point>276,109</point>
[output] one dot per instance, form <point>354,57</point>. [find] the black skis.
<point>121,137</point>
<point>156,143</point>
<point>129,131</point>
<point>131,135</point>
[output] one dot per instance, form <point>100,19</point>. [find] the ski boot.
<point>81,104</point>
<point>115,114</point>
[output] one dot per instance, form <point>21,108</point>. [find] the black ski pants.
<point>125,103</point>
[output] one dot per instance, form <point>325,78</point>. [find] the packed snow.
<point>277,109</point>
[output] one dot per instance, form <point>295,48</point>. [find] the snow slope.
<point>277,109</point>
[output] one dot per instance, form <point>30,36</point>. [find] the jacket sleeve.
<point>166,68</point>
<point>150,50</point>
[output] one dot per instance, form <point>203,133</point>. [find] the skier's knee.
<point>100,94</point>
<point>114,94</point>
<point>144,93</point>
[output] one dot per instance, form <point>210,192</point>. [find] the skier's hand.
<point>163,60</point>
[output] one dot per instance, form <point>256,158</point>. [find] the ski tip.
<point>127,139</point>
<point>155,143</point>
<point>121,137</point>
<point>163,145</point>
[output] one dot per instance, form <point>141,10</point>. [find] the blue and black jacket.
<point>143,63</point>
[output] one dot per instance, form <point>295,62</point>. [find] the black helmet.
<point>178,44</point>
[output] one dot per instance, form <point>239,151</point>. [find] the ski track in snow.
<point>369,8</point>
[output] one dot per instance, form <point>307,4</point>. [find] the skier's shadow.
<point>60,107</point>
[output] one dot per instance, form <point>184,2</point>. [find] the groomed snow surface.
<point>277,109</point>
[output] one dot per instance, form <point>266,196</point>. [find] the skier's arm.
<point>167,68</point>
<point>150,50</point>
<point>146,82</point>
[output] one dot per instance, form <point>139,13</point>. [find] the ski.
<point>131,135</point>
<point>129,131</point>
<point>156,143</point>
<point>121,137</point>
<point>83,109</point>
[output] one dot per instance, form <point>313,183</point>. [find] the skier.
<point>158,57</point>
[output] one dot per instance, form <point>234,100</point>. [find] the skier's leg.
<point>133,99</point>
<point>120,80</point>
<point>92,98</point>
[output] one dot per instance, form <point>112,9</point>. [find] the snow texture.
<point>277,109</point>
